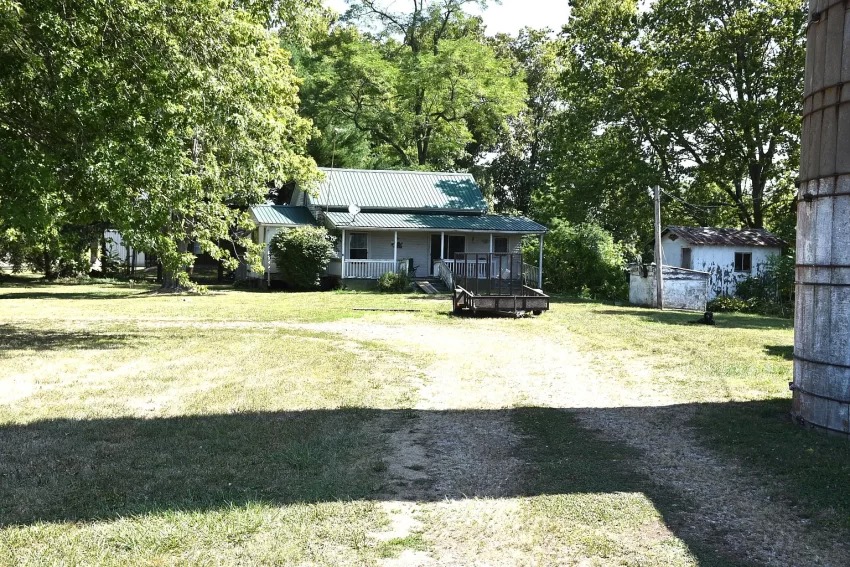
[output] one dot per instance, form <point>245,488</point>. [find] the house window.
<point>743,261</point>
<point>500,245</point>
<point>686,259</point>
<point>358,246</point>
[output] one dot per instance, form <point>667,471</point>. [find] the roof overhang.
<point>379,222</point>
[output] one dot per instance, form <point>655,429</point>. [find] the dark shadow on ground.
<point>722,320</point>
<point>781,351</point>
<point>22,338</point>
<point>82,470</point>
<point>125,293</point>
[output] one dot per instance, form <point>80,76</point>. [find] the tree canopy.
<point>701,97</point>
<point>163,119</point>
<point>419,89</point>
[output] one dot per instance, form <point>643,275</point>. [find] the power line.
<point>704,208</point>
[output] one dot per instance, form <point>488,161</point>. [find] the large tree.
<point>422,88</point>
<point>521,157</point>
<point>163,119</point>
<point>699,96</point>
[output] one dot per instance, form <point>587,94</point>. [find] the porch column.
<point>491,243</point>
<point>540,266</point>
<point>268,259</point>
<point>343,255</point>
<point>442,246</point>
<point>395,248</point>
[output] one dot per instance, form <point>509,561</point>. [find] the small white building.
<point>728,255</point>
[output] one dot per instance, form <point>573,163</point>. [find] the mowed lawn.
<point>364,429</point>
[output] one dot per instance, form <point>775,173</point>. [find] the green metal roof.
<point>402,221</point>
<point>399,190</point>
<point>282,215</point>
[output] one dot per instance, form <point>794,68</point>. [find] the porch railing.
<point>444,272</point>
<point>373,269</point>
<point>468,268</point>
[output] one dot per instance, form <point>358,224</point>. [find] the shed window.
<point>358,248</point>
<point>686,259</point>
<point>500,245</point>
<point>743,261</point>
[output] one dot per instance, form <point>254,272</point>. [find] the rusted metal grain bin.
<point>822,344</point>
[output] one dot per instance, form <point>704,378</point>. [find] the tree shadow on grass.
<point>127,293</point>
<point>22,338</point>
<point>785,352</point>
<point>84,470</point>
<point>691,318</point>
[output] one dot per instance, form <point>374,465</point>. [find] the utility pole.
<point>659,276</point>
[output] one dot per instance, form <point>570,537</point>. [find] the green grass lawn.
<point>255,428</point>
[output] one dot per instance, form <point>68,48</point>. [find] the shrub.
<point>393,282</point>
<point>729,304</point>
<point>771,291</point>
<point>302,255</point>
<point>581,260</point>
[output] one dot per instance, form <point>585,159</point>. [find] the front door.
<point>450,246</point>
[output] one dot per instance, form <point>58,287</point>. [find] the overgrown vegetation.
<point>769,292</point>
<point>394,282</point>
<point>302,254</point>
<point>581,260</point>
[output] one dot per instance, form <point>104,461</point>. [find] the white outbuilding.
<point>728,255</point>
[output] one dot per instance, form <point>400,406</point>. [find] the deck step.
<point>428,287</point>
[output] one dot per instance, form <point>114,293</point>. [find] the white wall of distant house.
<point>116,247</point>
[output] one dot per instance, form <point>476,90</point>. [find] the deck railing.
<point>530,275</point>
<point>373,269</point>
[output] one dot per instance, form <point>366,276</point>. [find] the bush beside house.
<point>303,255</point>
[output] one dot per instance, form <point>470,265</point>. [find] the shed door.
<point>686,259</point>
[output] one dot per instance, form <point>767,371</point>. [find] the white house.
<point>728,255</point>
<point>394,221</point>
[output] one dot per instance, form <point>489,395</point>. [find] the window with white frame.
<point>358,246</point>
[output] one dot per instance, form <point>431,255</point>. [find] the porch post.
<point>268,260</point>
<point>343,255</point>
<point>442,246</point>
<point>540,266</point>
<point>395,249</point>
<point>491,243</point>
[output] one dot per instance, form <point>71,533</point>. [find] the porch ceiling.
<point>430,223</point>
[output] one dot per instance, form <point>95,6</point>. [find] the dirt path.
<point>453,465</point>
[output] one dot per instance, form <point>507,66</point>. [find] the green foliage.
<point>421,91</point>
<point>162,119</point>
<point>701,97</point>
<point>302,255</point>
<point>582,260</point>
<point>393,282</point>
<point>726,304</point>
<point>523,148</point>
<point>771,290</point>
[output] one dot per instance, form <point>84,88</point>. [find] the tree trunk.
<point>49,274</point>
<point>170,281</point>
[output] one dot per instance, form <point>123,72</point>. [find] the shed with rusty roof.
<point>728,255</point>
